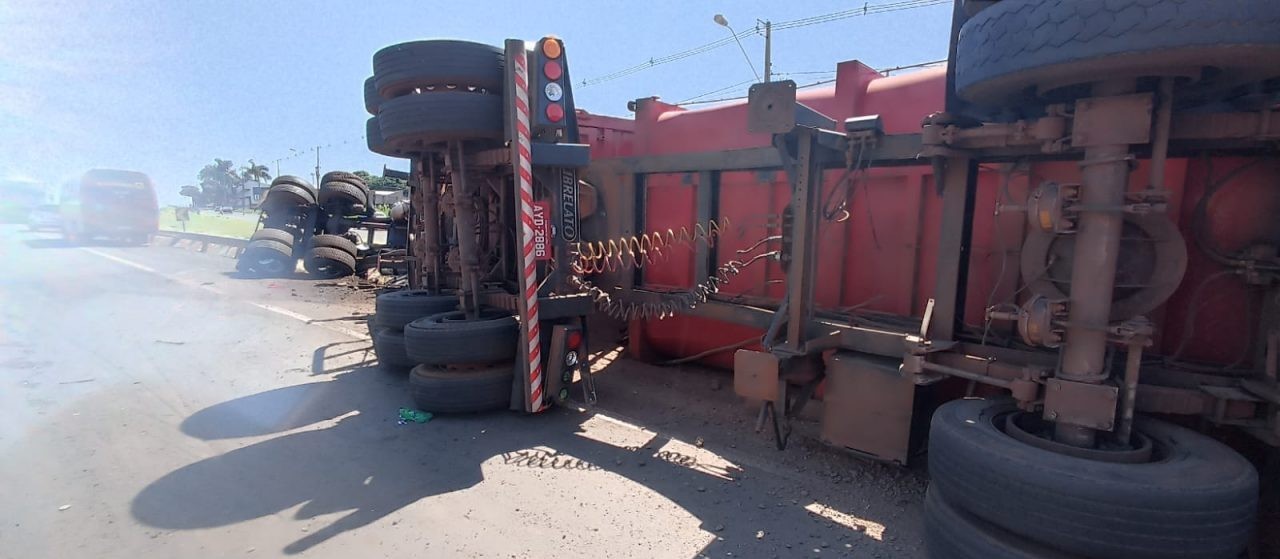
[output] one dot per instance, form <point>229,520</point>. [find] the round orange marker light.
<point>552,70</point>
<point>555,113</point>
<point>551,48</point>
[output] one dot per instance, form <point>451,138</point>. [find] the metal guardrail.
<point>205,241</point>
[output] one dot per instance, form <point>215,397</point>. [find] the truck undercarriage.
<point>1125,156</point>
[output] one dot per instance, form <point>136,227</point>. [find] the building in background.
<point>389,197</point>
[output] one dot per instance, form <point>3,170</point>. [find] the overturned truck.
<point>1052,264</point>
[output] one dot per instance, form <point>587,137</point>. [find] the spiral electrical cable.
<point>594,257</point>
<point>669,303</point>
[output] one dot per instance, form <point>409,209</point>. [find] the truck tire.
<point>413,122</point>
<point>950,533</point>
<point>329,263</point>
<point>439,390</point>
<point>399,69</point>
<point>373,137</point>
<point>334,241</point>
<point>278,235</point>
<point>342,176</point>
<point>972,7</point>
<point>1013,46</point>
<point>341,191</point>
<point>1196,498</point>
<point>285,196</point>
<point>371,98</point>
<point>296,181</point>
<point>396,309</point>
<point>448,338</point>
<point>388,346</point>
<point>266,258</point>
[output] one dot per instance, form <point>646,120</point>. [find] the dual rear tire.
<point>464,365</point>
<point>1193,498</point>
<point>424,93</point>
<point>458,365</point>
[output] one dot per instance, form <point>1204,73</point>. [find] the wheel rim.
<point>268,265</point>
<point>327,268</point>
<point>1032,430</point>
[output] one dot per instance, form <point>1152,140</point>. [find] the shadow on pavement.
<point>338,448</point>
<point>53,242</point>
<point>59,242</point>
<point>239,275</point>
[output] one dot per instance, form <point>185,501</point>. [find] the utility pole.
<point>317,166</point>
<point>768,50</point>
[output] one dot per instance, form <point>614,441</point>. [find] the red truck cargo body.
<point>882,257</point>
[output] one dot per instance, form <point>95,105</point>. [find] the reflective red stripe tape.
<point>529,272</point>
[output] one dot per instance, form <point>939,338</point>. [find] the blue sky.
<point>166,86</point>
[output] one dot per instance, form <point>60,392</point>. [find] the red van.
<point>109,203</point>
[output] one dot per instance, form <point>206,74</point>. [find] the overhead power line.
<point>668,58</point>
<point>865,10</point>
<point>715,91</point>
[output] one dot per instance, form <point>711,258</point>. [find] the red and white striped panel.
<point>529,272</point>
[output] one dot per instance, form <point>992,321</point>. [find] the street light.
<point>720,20</point>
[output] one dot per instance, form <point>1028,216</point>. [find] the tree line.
<point>221,182</point>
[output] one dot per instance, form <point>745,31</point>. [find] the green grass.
<point>207,222</point>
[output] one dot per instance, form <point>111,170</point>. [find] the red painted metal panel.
<point>669,204</point>
<point>748,199</point>
<point>891,267</point>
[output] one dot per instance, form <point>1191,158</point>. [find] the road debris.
<point>408,415</point>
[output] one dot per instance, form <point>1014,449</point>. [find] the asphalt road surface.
<point>153,405</point>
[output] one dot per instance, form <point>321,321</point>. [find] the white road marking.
<point>309,320</point>
<point>284,312</point>
<point>117,259</point>
<point>270,308</point>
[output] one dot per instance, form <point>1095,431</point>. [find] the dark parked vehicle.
<point>109,203</point>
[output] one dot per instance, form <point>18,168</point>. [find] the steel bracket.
<point>772,109</point>
<point>1118,119</point>
<point>917,352</point>
<point>1081,403</point>
<point>1137,330</point>
<point>941,137</point>
<point>756,375</point>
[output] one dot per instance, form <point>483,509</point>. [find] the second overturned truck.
<point>1056,285</point>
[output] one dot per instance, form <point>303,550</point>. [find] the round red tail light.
<point>555,113</point>
<point>552,70</point>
